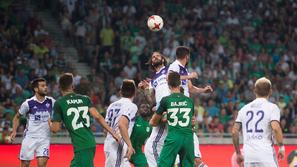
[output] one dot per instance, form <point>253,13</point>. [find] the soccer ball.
<point>155,23</point>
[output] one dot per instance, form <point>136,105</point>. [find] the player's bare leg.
<point>42,161</point>
<point>199,163</point>
<point>25,163</point>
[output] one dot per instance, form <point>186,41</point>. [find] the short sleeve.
<point>57,115</point>
<point>239,117</point>
<point>89,102</point>
<point>275,114</point>
<point>174,67</point>
<point>24,108</point>
<point>162,107</point>
<point>129,112</point>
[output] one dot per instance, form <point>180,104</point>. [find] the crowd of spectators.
<point>26,52</point>
<point>233,43</point>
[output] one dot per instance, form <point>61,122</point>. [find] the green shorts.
<point>138,159</point>
<point>83,158</point>
<point>177,144</point>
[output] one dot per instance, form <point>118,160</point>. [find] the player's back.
<point>257,133</point>
<point>180,110</point>
<point>123,107</point>
<point>176,66</point>
<point>75,114</point>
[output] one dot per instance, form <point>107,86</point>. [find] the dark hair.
<point>149,62</point>
<point>182,52</point>
<point>173,79</point>
<point>262,89</point>
<point>66,81</point>
<point>35,83</point>
<point>128,88</point>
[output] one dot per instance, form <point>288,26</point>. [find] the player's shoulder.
<point>173,64</point>
<point>50,98</point>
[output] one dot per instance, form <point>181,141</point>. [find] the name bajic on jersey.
<point>74,101</point>
<point>181,103</point>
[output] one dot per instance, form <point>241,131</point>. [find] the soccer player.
<point>258,120</point>
<point>179,110</point>
<point>179,66</point>
<point>121,118</point>
<point>141,131</point>
<point>38,110</point>
<point>75,111</point>
<point>159,84</point>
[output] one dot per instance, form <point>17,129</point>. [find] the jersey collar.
<point>179,63</point>
<point>35,99</point>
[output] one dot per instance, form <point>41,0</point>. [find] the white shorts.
<point>39,146</point>
<point>197,152</point>
<point>152,152</point>
<point>260,164</point>
<point>114,156</point>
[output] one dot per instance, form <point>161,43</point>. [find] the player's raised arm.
<point>93,111</point>
<point>194,89</point>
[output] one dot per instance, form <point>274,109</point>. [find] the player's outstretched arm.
<point>194,89</point>
<point>93,111</point>
<point>15,125</point>
<point>192,75</point>
<point>235,139</point>
<point>278,134</point>
<point>123,126</point>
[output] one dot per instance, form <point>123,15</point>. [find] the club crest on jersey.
<point>155,84</point>
<point>35,107</point>
<point>147,129</point>
<point>47,105</point>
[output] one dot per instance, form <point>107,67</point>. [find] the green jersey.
<point>73,110</point>
<point>141,131</point>
<point>180,110</point>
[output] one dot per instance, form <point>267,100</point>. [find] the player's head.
<point>157,60</point>
<point>128,88</point>
<point>263,87</point>
<point>173,79</point>
<point>66,82</point>
<point>182,52</point>
<point>144,110</point>
<point>39,86</point>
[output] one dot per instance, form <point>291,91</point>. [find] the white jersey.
<point>37,113</point>
<point>176,66</point>
<point>160,85</point>
<point>155,142</point>
<point>255,118</point>
<point>123,107</point>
